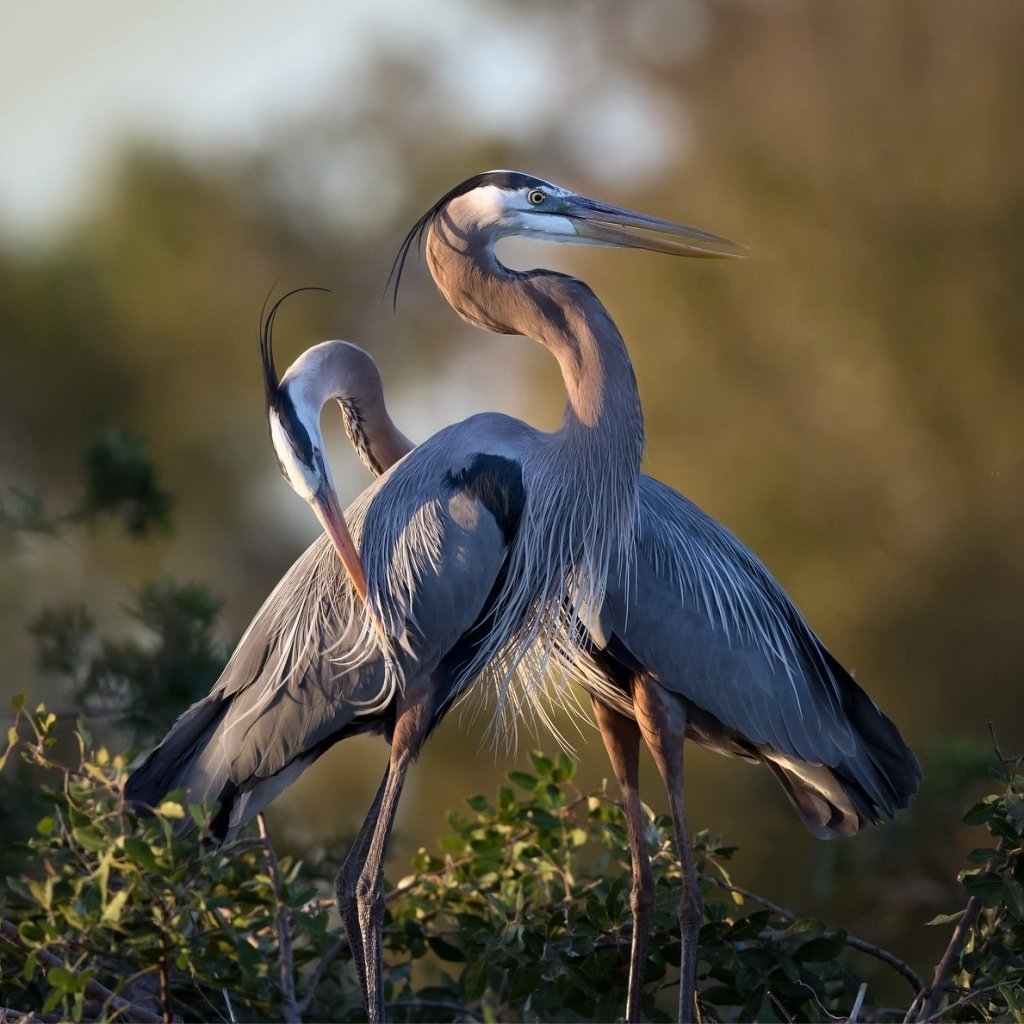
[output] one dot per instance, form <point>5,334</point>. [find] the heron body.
<point>488,539</point>
<point>695,638</point>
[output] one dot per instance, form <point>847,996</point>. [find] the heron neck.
<point>564,315</point>
<point>372,433</point>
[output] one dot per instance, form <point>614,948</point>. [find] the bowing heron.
<point>489,539</point>
<point>695,639</point>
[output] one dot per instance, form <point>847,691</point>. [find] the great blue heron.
<point>490,538</point>
<point>695,638</point>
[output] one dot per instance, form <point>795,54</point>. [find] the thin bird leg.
<point>621,737</point>
<point>348,876</point>
<point>359,886</point>
<point>662,720</point>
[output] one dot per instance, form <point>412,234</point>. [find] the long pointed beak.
<point>601,224</point>
<point>328,511</point>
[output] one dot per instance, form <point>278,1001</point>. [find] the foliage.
<point>141,681</point>
<point>987,965</point>
<point>110,907</point>
<point>119,480</point>
<point>523,915</point>
<point>531,900</point>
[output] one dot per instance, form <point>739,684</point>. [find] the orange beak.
<point>325,505</point>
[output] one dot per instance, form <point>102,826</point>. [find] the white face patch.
<point>302,479</point>
<point>488,204</point>
<point>509,212</point>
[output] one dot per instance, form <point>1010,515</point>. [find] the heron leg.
<point>621,737</point>
<point>662,720</point>
<point>359,886</point>
<point>346,881</point>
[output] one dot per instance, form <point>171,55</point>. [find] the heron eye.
<point>536,197</point>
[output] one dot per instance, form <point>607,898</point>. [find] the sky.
<point>78,79</point>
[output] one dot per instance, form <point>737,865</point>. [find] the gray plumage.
<point>698,611</point>
<point>486,543</point>
<point>696,614</point>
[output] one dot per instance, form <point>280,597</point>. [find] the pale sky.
<point>77,78</point>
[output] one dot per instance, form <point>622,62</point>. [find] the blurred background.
<point>849,400</point>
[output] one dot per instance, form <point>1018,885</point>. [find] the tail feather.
<point>869,785</point>
<point>888,751</point>
<point>167,766</point>
<point>828,805</point>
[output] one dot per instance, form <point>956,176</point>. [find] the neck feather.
<point>561,313</point>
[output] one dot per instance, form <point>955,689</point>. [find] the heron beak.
<point>328,511</point>
<point>600,224</point>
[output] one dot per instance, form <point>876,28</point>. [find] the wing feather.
<point>704,617</point>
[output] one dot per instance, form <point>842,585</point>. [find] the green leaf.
<point>445,950</point>
<point>113,910</point>
<point>1015,897</point>
<point>60,977</point>
<point>90,839</point>
<point>28,970</point>
<point>141,853</point>
<point>522,780</point>
<point>18,886</point>
<point>474,979</point>
<point>946,918</point>
<point>31,933</point>
<point>981,812</point>
<point>986,886</point>
<point>51,1001</point>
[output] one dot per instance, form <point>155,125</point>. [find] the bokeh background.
<point>849,400</point>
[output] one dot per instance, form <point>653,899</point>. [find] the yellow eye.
<point>536,197</point>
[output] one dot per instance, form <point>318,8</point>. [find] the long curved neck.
<point>373,434</point>
<point>565,316</point>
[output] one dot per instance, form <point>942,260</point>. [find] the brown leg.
<point>662,720</point>
<point>359,886</point>
<point>622,741</point>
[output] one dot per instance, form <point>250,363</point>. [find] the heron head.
<point>533,208</point>
<point>498,204</point>
<point>293,406</point>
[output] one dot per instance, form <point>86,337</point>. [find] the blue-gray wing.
<point>311,669</point>
<point>700,614</point>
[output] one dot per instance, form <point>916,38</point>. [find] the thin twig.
<point>778,1007</point>
<point>858,1003</point>
<point>944,967</point>
<point>1003,759</point>
<point>92,987</point>
<point>227,1003</point>
<point>854,942</point>
<point>289,1008</point>
<point>966,1000</point>
<point>320,970</point>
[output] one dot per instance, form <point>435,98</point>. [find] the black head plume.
<point>511,180</point>
<point>271,382</point>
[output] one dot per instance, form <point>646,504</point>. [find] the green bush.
<point>523,914</point>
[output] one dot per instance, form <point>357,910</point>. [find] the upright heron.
<point>491,537</point>
<point>695,639</point>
